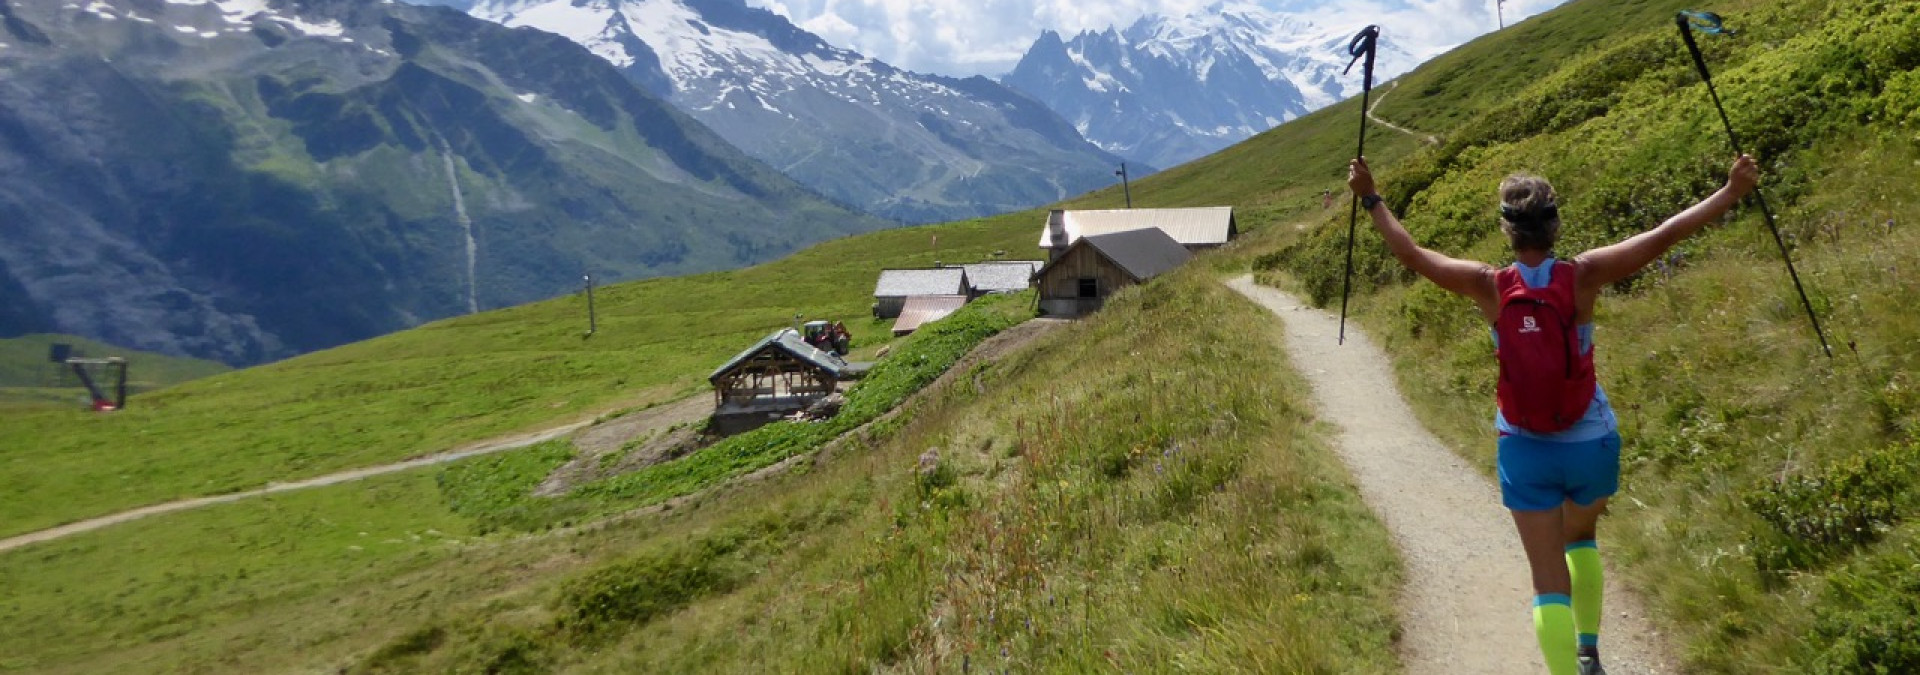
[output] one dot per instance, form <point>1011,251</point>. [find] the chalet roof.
<point>1009,276</point>
<point>939,281</point>
<point>1142,254</point>
<point>1201,226</point>
<point>924,309</point>
<point>789,341</point>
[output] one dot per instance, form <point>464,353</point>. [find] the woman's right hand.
<point>1743,176</point>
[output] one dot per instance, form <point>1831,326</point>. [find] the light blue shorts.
<point>1537,475</point>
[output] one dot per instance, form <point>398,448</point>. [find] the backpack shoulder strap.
<point>1508,283</point>
<point>1564,269</point>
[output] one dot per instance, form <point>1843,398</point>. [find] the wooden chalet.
<point>1080,279</point>
<point>776,377</point>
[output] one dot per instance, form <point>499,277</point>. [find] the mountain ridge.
<point>244,181</point>
<point>900,144</point>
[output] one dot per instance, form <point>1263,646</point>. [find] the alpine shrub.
<point>1814,517</point>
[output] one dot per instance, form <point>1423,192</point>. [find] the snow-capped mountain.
<point>1168,90</point>
<point>899,144</point>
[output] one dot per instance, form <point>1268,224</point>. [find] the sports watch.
<point>1370,201</point>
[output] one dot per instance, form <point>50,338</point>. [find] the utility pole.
<point>1124,185</point>
<point>593,322</point>
<point>1499,7</point>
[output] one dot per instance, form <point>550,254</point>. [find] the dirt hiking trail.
<point>489,447</point>
<point>1466,604</point>
<point>1428,139</point>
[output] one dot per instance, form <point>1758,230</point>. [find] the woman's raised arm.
<point>1608,264</point>
<point>1470,278</point>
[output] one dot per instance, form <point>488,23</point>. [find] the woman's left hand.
<point>1360,178</point>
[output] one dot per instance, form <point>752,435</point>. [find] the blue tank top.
<point>1599,420</point>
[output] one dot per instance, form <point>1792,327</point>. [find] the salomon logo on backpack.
<point>1546,381</point>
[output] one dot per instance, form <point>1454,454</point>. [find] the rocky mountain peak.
<point>1170,89</point>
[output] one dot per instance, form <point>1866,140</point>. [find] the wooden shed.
<point>776,377</point>
<point>1080,279</point>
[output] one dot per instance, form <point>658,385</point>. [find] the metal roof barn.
<point>1010,276</point>
<point>1195,228</point>
<point>921,310</point>
<point>895,286</point>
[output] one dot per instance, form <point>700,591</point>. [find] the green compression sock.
<point>1583,561</point>
<point>1553,625</point>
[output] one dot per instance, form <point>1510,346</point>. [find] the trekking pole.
<point>1709,23</point>
<point>1361,46</point>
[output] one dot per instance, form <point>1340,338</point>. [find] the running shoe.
<point>1590,665</point>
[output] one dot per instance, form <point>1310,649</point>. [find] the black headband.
<point>1529,219</point>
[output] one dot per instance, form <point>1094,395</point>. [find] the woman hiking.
<point>1559,444</point>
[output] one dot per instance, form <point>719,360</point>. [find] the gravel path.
<point>1465,607</point>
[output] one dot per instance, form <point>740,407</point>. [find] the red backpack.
<point>1546,383</point>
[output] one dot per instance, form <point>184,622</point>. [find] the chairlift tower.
<point>63,354</point>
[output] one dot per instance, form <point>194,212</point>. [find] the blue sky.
<point>968,37</point>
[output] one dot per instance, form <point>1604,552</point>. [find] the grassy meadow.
<point>450,382</point>
<point>1769,491</point>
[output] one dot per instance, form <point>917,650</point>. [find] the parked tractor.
<point>828,336</point>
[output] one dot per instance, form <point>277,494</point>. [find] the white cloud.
<point>967,37</point>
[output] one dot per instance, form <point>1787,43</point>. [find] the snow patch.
<point>527,98</point>
<point>236,12</point>
<point>329,28</point>
<point>589,23</point>
<point>692,51</point>
<point>829,68</point>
